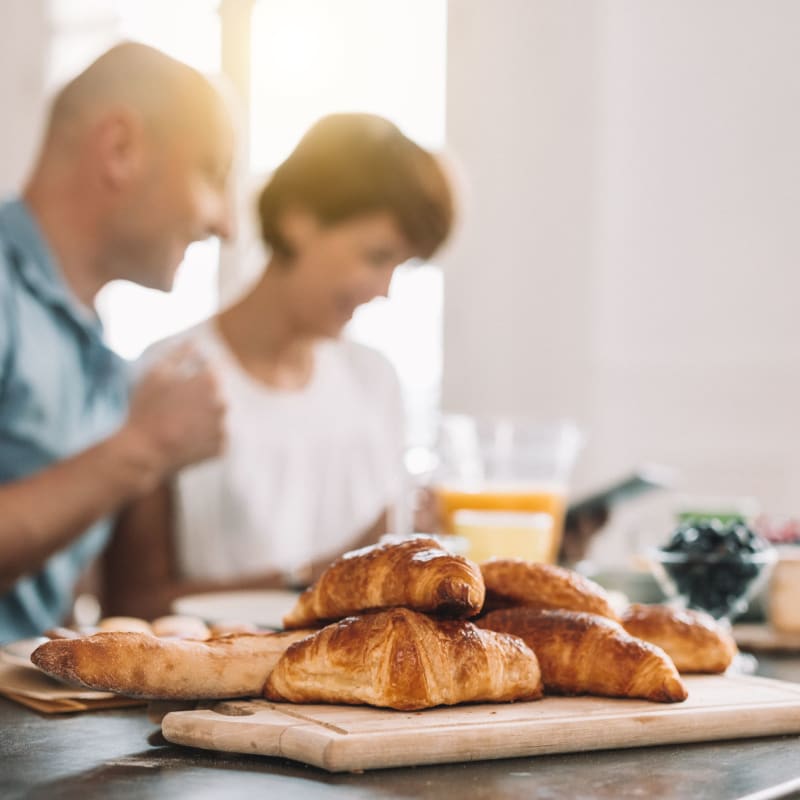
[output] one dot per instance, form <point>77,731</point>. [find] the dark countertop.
<point>120,754</point>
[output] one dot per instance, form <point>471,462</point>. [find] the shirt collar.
<point>38,266</point>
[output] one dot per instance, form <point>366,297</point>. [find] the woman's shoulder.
<point>202,336</point>
<point>363,359</point>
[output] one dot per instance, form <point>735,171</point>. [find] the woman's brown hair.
<point>352,164</point>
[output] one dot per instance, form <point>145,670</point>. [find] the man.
<point>132,170</point>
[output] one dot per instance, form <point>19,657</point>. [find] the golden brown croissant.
<point>694,640</point>
<point>142,665</point>
<point>417,573</point>
<point>514,582</point>
<point>586,654</point>
<point>405,660</point>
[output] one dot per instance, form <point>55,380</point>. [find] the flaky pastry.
<point>514,582</point>
<point>405,660</point>
<point>416,573</point>
<point>694,640</point>
<point>583,653</point>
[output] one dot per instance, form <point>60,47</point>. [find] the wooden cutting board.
<point>764,639</point>
<point>342,738</point>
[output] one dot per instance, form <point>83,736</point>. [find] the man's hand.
<point>175,419</point>
<point>176,411</point>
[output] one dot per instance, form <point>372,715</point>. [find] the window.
<point>307,58</point>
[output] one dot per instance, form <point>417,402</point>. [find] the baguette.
<point>142,665</point>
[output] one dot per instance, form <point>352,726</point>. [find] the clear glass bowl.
<point>721,584</point>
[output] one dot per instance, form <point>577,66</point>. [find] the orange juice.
<point>505,534</point>
<point>549,498</point>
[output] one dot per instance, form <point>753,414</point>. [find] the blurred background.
<point>629,248</point>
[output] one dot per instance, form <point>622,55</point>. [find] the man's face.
<point>182,197</point>
<point>336,268</point>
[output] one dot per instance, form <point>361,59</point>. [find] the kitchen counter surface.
<point>121,754</point>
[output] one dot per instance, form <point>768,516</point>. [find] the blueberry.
<point>682,539</point>
<point>742,533</point>
<point>717,571</point>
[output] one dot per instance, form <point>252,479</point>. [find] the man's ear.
<point>119,146</point>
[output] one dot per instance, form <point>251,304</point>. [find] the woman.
<point>314,422</point>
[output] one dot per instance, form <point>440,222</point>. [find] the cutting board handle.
<point>251,733</point>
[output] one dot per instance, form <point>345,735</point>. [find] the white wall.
<point>520,85</point>
<point>697,350</point>
<point>635,217</point>
<point>24,41</point>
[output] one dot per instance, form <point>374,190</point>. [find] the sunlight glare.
<point>314,57</point>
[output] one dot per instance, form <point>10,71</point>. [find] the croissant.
<point>405,660</point>
<point>694,640</point>
<point>142,665</point>
<point>586,654</point>
<point>514,582</point>
<point>417,573</point>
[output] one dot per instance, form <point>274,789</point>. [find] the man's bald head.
<point>167,94</point>
<point>135,165</point>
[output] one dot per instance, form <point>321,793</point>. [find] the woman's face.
<point>338,267</point>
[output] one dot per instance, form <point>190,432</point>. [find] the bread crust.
<point>583,653</point>
<point>694,640</point>
<point>414,573</point>
<point>512,582</point>
<point>143,665</point>
<point>405,660</point>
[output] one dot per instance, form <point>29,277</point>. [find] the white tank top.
<point>304,473</point>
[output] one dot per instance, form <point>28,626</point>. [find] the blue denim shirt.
<point>61,390</point>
